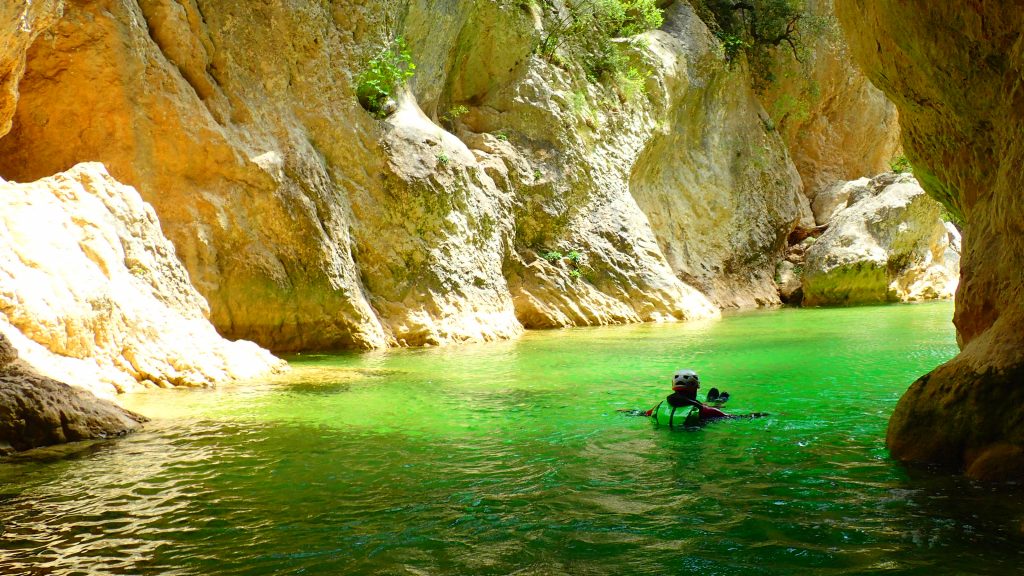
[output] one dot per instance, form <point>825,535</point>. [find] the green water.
<point>510,458</point>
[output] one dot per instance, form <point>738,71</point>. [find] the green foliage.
<point>384,75</point>
<point>537,175</point>
<point>757,28</point>
<point>575,258</point>
<point>443,159</point>
<point>454,113</point>
<point>585,32</point>
<point>732,44</point>
<point>501,135</point>
<point>900,164</point>
<point>632,83</point>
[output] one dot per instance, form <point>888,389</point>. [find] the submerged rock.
<point>887,244</point>
<point>39,411</point>
<point>92,293</point>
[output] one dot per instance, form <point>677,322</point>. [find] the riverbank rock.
<point>92,293</point>
<point>39,411</point>
<point>888,244</point>
<point>309,223</point>
<point>953,71</point>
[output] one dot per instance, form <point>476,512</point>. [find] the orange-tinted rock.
<point>837,125</point>
<point>954,71</point>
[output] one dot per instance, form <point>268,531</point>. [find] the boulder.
<point>92,293</point>
<point>39,411</point>
<point>889,244</point>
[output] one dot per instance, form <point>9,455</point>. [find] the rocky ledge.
<point>39,411</point>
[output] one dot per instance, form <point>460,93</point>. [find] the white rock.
<point>92,293</point>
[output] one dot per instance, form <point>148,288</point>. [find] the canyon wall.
<point>954,72</point>
<point>836,124</point>
<point>307,222</point>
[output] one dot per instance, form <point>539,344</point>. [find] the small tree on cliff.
<point>758,28</point>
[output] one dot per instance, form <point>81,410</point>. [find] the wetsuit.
<point>681,399</point>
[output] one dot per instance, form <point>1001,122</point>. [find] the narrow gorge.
<point>187,184</point>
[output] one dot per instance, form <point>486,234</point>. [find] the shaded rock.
<point>92,293</point>
<point>889,245</point>
<point>39,411</point>
<point>954,71</point>
<point>790,286</point>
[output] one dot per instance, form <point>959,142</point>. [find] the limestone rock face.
<point>837,125</point>
<point>716,184</point>
<point>92,293</point>
<point>39,411</point>
<point>953,71</point>
<point>889,244</point>
<point>21,21</point>
<point>307,222</point>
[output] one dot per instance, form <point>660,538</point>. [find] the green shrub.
<point>384,75</point>
<point>585,31</point>
<point>757,28</point>
<point>454,113</point>
<point>900,164</point>
<point>552,256</point>
<point>443,159</point>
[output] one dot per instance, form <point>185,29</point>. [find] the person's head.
<point>685,381</point>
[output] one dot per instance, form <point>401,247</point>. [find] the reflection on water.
<point>510,458</point>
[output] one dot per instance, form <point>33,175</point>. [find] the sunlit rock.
<point>888,244</point>
<point>91,292</point>
<point>836,124</point>
<point>21,21</point>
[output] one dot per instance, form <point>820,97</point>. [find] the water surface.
<point>510,458</point>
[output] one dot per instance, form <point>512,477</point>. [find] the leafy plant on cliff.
<point>383,75</point>
<point>758,28</point>
<point>454,113</point>
<point>585,32</point>
<point>900,164</point>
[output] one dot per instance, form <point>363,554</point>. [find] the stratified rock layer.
<point>39,411</point>
<point>888,244</point>
<point>954,72</point>
<point>92,293</point>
